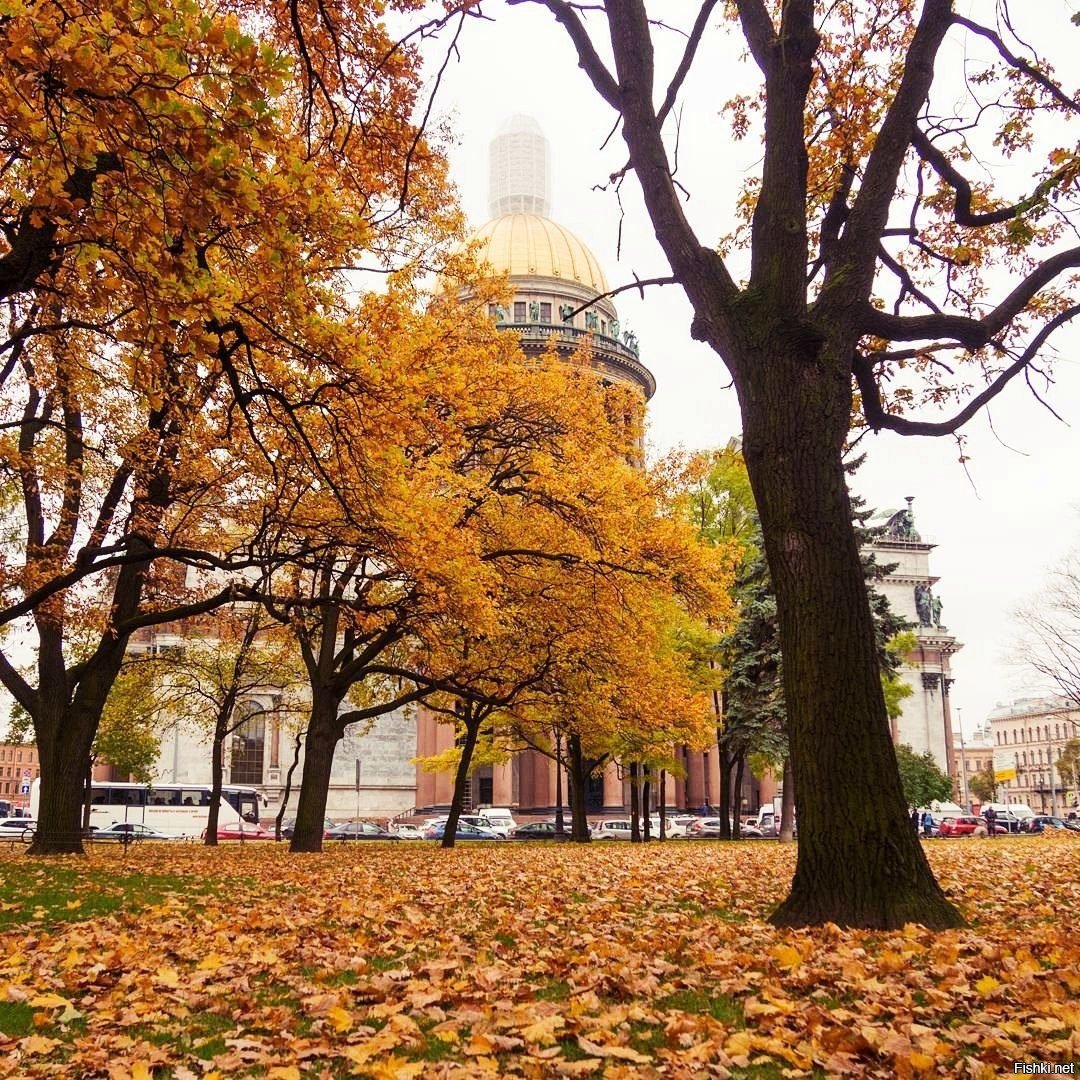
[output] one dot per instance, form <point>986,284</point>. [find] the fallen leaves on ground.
<point>402,961</point>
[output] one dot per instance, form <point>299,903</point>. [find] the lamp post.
<point>963,760</point>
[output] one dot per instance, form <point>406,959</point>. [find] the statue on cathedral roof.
<point>901,526</point>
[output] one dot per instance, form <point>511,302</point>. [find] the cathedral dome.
<point>528,245</point>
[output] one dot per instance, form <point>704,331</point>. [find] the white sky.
<point>1000,525</point>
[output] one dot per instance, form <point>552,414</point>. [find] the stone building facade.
<point>1030,734</point>
<point>926,721</point>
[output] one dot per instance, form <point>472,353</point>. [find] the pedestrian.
<point>915,820</point>
<point>991,821</point>
<point>927,823</point>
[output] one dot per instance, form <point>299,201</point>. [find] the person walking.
<point>990,814</point>
<point>927,823</point>
<point>915,820</point>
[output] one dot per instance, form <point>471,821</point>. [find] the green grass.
<point>16,1019</point>
<point>32,893</point>
<point>720,1007</point>
<point>555,990</point>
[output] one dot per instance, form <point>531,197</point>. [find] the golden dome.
<point>527,245</point>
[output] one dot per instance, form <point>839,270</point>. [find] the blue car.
<point>464,831</point>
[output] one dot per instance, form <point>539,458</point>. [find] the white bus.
<point>179,809</point>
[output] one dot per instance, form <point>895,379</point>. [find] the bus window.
<point>99,796</point>
<point>127,797</point>
<point>165,797</point>
<point>249,808</point>
<point>196,797</point>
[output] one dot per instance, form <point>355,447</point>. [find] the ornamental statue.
<point>901,526</point>
<point>935,610</point>
<point>534,311</point>
<point>924,605</point>
<point>613,326</point>
<point>500,314</point>
<point>592,320</point>
<point>630,341</point>
<point>566,313</point>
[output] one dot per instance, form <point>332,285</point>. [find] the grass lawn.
<point>503,960</point>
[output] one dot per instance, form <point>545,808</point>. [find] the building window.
<point>519,311</point>
<point>545,313</point>
<point>247,747</point>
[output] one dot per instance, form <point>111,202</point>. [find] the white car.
<point>407,832</point>
<point>611,829</point>
<point>679,825</point>
<point>16,828</point>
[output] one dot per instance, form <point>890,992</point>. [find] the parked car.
<point>242,832</point>
<point>1045,821</point>
<point>288,826</point>
<point>611,829</point>
<point>17,828</point>
<point>539,830</point>
<point>127,832</point>
<point>965,826</point>
<point>359,830</point>
<point>405,831</point>
<point>482,822</point>
<point>498,819</point>
<point>704,828</point>
<point>464,831</point>
<point>679,824</point>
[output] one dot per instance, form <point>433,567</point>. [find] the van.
<point>498,819</point>
<point>1010,814</point>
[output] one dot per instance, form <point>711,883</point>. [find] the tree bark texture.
<point>217,768</point>
<point>472,731</point>
<point>736,828</point>
<point>786,829</point>
<point>578,773</point>
<point>635,805</point>
<point>859,863</point>
<point>64,737</point>
<point>323,734</point>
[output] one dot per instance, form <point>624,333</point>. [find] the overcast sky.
<point>1001,521</point>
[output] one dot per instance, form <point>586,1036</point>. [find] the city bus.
<point>179,809</point>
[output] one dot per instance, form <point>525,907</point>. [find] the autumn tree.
<point>230,670</point>
<point>880,259</point>
<point>1068,766</point>
<point>983,785</point>
<point>183,194</point>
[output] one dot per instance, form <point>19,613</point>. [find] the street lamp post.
<point>963,759</point>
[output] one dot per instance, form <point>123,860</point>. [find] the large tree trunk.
<point>726,809</point>
<point>578,772</point>
<point>786,830</point>
<point>64,737</point>
<point>736,797</point>
<point>635,805</point>
<point>323,734</point>
<point>217,767</point>
<point>859,863</point>
<point>560,824</point>
<point>646,797</point>
<point>472,730</point>
<point>720,709</point>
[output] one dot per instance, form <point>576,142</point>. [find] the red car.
<point>965,826</point>
<point>244,832</point>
